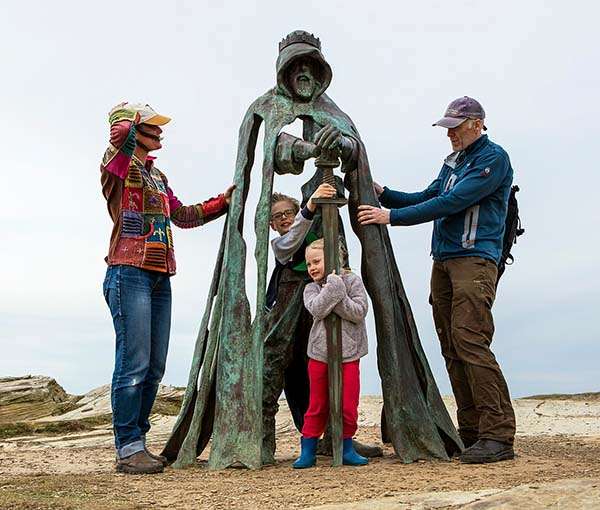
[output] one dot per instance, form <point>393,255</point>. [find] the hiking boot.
<point>468,441</point>
<point>139,463</point>
<point>160,458</point>
<point>325,448</point>
<point>485,451</point>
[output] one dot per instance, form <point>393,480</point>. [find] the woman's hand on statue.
<point>367,215</point>
<point>227,194</point>
<point>323,191</point>
<point>378,189</point>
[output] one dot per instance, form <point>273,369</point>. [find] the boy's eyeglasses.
<point>288,213</point>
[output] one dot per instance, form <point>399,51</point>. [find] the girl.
<point>345,296</point>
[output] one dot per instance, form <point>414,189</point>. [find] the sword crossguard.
<point>327,161</point>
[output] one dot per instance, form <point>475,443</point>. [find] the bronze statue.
<point>223,397</point>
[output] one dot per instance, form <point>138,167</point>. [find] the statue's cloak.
<point>223,396</point>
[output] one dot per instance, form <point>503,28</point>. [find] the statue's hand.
<point>329,137</point>
<point>304,150</point>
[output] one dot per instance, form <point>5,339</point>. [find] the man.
<point>140,263</point>
<point>467,203</point>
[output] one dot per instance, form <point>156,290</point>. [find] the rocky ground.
<point>63,458</point>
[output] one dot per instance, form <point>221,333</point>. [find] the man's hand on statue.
<point>328,137</point>
<point>323,191</point>
<point>228,193</point>
<point>378,189</point>
<point>367,215</point>
<point>119,131</point>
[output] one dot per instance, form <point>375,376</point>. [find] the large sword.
<point>326,162</point>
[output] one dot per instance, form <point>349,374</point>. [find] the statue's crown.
<point>299,36</point>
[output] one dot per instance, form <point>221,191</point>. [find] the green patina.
<point>223,396</point>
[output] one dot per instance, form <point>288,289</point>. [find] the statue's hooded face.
<point>302,72</point>
<point>302,78</point>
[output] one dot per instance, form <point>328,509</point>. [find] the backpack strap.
<point>512,230</point>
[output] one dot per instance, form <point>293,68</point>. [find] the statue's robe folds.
<point>223,396</point>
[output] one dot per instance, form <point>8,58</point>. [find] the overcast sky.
<point>396,65</point>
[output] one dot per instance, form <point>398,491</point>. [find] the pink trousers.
<point>315,419</point>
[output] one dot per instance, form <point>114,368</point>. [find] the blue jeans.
<point>140,304</point>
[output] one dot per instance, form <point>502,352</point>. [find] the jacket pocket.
<point>470,227</point>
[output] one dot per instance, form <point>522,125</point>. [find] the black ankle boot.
<point>485,451</point>
<point>468,441</point>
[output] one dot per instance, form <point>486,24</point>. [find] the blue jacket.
<point>467,203</point>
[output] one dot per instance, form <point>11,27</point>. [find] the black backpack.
<point>512,230</point>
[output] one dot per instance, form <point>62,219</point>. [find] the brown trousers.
<point>462,294</point>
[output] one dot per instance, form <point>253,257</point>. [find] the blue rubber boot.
<point>350,457</point>
<point>308,454</point>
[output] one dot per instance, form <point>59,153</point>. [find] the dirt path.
<point>556,441</point>
<point>539,460</point>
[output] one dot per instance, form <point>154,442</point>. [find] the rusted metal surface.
<point>226,375</point>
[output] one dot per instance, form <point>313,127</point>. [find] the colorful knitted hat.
<point>138,113</point>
